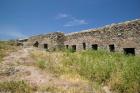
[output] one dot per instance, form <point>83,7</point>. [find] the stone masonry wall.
<point>122,35</point>
<point>53,40</point>
<point>114,37</point>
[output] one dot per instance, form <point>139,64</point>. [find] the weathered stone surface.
<point>121,35</point>
<point>52,40</point>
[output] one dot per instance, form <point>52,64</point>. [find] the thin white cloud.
<point>61,16</point>
<point>72,20</point>
<point>11,32</point>
<point>75,22</point>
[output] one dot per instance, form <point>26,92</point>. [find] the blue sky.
<point>23,18</point>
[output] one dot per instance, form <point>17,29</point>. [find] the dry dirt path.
<point>17,66</point>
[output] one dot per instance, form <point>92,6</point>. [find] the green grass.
<point>118,71</point>
<point>15,87</point>
<point>105,68</point>
<point>41,64</point>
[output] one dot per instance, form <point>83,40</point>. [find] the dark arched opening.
<point>74,48</point>
<point>84,46</point>
<point>129,51</point>
<point>67,46</point>
<point>94,46</point>
<point>112,48</point>
<point>46,46</point>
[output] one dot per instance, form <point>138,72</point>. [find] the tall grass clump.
<point>120,72</point>
<point>41,64</point>
<point>90,64</point>
<point>127,79</point>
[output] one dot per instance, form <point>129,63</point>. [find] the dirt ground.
<point>19,66</point>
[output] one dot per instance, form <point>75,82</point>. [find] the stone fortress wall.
<point>115,37</point>
<point>123,37</point>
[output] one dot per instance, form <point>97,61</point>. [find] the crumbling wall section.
<point>53,40</point>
